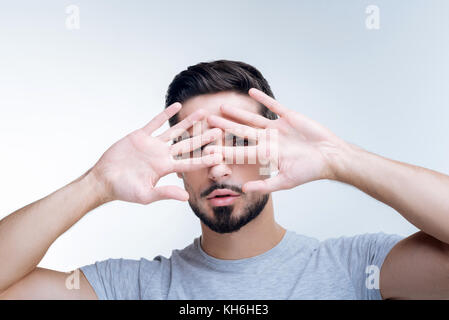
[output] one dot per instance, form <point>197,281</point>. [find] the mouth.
<point>222,197</point>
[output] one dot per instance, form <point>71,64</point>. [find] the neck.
<point>256,237</point>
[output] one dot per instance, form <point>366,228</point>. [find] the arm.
<point>420,195</point>
<point>26,235</point>
<point>129,171</point>
<point>418,266</point>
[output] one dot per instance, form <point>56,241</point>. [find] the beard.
<point>224,221</point>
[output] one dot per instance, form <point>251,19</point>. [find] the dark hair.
<point>214,77</point>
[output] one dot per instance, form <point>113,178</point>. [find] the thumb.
<point>265,186</point>
<point>170,192</point>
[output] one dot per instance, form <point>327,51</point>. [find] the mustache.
<point>216,186</point>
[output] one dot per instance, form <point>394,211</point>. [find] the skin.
<point>416,268</point>
<point>262,233</point>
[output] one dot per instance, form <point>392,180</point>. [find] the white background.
<point>67,95</point>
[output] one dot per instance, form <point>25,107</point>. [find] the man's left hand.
<point>306,151</point>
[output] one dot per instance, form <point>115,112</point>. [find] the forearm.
<point>26,234</point>
<point>420,195</point>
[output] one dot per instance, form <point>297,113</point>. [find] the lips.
<point>222,197</point>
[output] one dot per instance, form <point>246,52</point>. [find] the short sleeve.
<point>362,257</point>
<point>119,279</point>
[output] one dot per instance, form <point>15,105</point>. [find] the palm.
<point>300,158</point>
<point>134,165</point>
<point>131,168</point>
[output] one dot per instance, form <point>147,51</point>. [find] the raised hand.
<point>130,169</point>
<point>304,152</point>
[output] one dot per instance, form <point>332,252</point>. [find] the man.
<point>226,107</point>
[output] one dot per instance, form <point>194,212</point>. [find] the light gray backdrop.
<point>67,94</point>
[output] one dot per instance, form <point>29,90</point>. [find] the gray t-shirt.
<point>298,267</point>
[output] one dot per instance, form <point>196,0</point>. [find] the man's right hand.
<point>130,169</point>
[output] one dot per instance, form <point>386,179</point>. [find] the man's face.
<point>215,193</point>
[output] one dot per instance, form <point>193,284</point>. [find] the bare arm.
<point>420,195</point>
<point>418,266</point>
<point>129,171</point>
<point>26,234</point>
<point>46,284</point>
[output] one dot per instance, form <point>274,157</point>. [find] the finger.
<point>266,186</point>
<point>235,155</point>
<point>185,165</point>
<point>188,145</point>
<point>237,129</point>
<point>244,116</point>
<point>268,101</point>
<point>181,127</point>
<point>161,118</point>
<point>169,192</point>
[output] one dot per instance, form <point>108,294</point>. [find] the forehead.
<point>212,102</point>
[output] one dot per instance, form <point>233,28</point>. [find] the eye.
<point>239,142</point>
<point>236,141</point>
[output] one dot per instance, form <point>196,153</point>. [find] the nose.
<point>219,173</point>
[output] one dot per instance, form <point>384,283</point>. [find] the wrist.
<point>341,160</point>
<point>97,187</point>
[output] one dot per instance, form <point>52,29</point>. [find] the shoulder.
<point>363,241</point>
<point>347,250</point>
